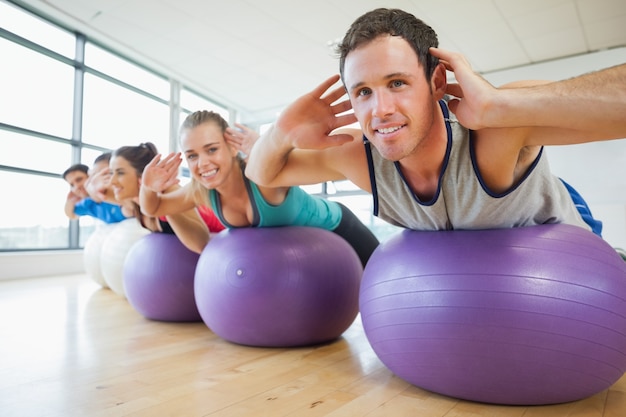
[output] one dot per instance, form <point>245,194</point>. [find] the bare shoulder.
<point>350,159</point>
<point>502,156</point>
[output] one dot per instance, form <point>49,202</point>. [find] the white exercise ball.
<point>114,250</point>
<point>92,250</point>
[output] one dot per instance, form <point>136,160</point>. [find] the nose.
<point>203,160</point>
<point>383,104</point>
<point>113,179</point>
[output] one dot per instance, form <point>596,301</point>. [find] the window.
<point>126,71</point>
<point>115,116</point>
<point>28,152</point>
<point>191,102</point>
<point>123,104</point>
<point>36,30</point>
<point>37,91</point>
<point>361,205</point>
<point>34,219</point>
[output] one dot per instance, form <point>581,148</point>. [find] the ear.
<point>232,148</point>
<point>439,81</point>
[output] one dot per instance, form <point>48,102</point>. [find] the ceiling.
<point>258,55</point>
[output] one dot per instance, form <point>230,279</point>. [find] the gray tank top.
<point>462,200</point>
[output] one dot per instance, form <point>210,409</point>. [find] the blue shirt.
<point>107,212</point>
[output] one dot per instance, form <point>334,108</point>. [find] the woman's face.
<point>209,157</point>
<point>124,179</point>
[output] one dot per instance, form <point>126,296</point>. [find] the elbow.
<point>146,212</point>
<point>258,177</point>
<point>151,210</point>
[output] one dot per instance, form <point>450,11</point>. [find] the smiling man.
<point>439,156</point>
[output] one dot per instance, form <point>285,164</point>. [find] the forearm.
<point>149,202</point>
<point>594,103</point>
<point>267,158</point>
<point>69,209</point>
<point>190,229</point>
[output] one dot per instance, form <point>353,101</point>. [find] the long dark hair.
<point>137,156</point>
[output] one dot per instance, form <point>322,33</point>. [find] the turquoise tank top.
<point>299,209</point>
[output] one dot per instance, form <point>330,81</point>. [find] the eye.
<point>397,83</point>
<point>364,92</point>
<point>191,157</point>
<point>212,149</point>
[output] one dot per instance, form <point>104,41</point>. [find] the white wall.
<point>596,170</point>
<point>15,265</point>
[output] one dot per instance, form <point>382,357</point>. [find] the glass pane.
<point>29,152</point>
<point>36,91</point>
<point>312,189</point>
<point>88,156</point>
<point>114,116</point>
<point>37,30</point>
<point>123,70</point>
<point>344,186</point>
<point>194,102</point>
<point>27,225</point>
<point>361,206</point>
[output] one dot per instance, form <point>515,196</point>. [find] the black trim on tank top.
<point>370,167</point>
<point>372,174</point>
<point>256,218</point>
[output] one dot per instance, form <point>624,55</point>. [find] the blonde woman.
<point>217,171</point>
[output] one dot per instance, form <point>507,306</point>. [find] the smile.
<point>386,130</point>
<point>208,173</point>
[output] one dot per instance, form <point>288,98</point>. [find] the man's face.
<point>391,98</point>
<point>76,180</point>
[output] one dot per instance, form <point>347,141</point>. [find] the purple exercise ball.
<point>524,316</point>
<point>279,286</point>
<point>158,278</point>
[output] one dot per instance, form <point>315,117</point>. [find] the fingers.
<point>169,163</point>
<point>173,159</point>
<point>448,56</point>
<point>341,107</point>
<point>155,161</point>
<point>231,133</point>
<point>345,120</point>
<point>320,89</point>
<point>102,173</point>
<point>335,94</point>
<point>242,139</point>
<point>243,128</point>
<point>453,61</point>
<point>232,137</point>
<point>454,90</point>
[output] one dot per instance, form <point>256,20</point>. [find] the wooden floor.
<point>70,348</point>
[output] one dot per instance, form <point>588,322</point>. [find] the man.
<point>431,161</point>
<point>80,202</point>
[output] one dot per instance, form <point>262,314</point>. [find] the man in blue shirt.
<point>79,203</point>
